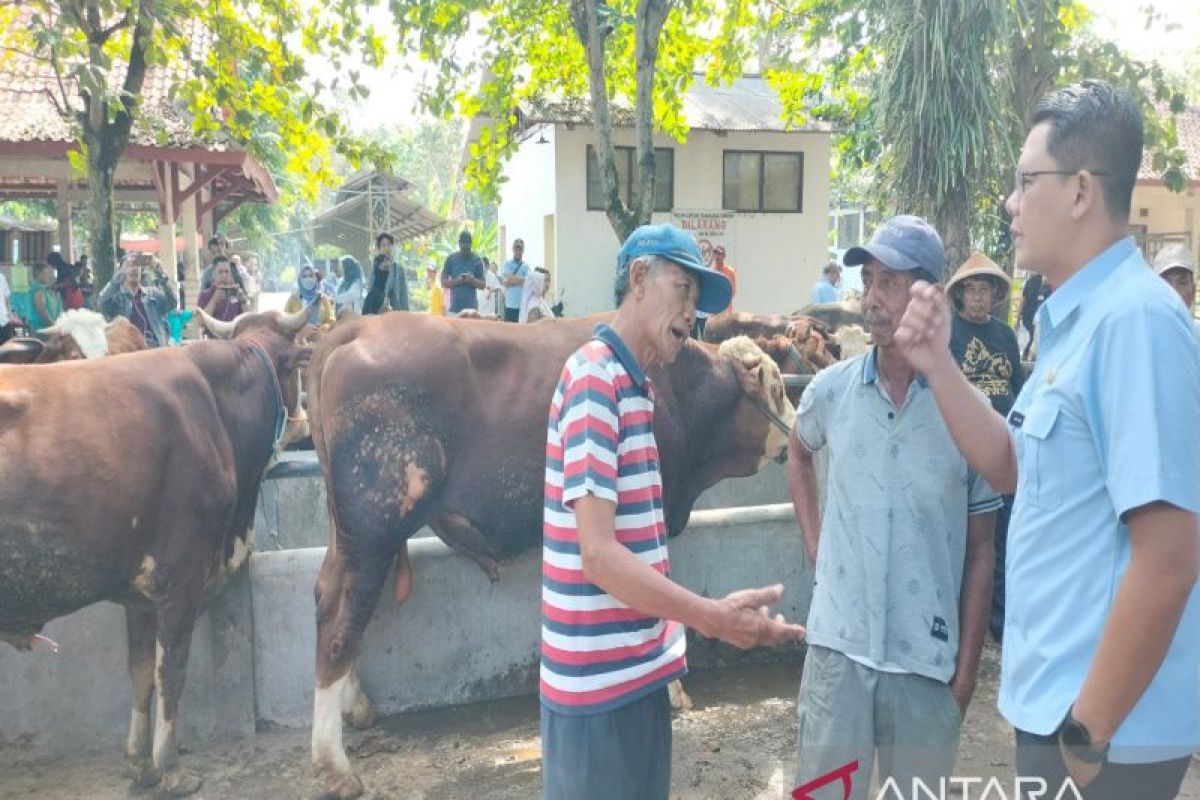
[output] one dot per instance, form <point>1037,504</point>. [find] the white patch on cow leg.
<point>165,750</point>
<point>356,706</point>
<point>143,582</point>
<point>174,781</point>
<point>328,752</point>
<point>680,701</point>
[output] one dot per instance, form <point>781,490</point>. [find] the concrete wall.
<point>79,699</point>
<point>459,638</point>
<point>291,512</point>
<point>778,256</point>
<point>526,197</point>
<point>1167,211</point>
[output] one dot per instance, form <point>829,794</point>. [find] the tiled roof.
<point>748,104</point>
<point>1187,126</point>
<point>27,86</point>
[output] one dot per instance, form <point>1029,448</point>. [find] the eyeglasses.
<point>1022,178</point>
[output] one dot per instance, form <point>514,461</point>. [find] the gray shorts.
<point>623,754</point>
<point>849,712</point>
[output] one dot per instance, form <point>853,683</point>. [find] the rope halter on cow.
<point>759,403</point>
<point>281,411</point>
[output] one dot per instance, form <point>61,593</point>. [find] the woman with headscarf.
<point>308,292</point>
<point>350,288</point>
<point>533,296</point>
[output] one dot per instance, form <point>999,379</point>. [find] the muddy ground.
<point>737,744</point>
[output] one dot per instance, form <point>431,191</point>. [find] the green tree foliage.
<point>237,68</point>
<point>861,63</point>
<point>623,60</point>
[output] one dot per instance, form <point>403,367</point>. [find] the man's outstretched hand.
<point>744,621</point>
<point>923,334</point>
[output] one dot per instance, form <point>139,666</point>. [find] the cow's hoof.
<point>142,773</point>
<point>179,783</point>
<point>361,717</point>
<point>346,786</point>
<point>679,698</point>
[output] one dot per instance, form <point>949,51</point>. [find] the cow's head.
<point>277,333</point>
<point>764,415</point>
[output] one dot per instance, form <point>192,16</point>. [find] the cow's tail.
<point>318,370</point>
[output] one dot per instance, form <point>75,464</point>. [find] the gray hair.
<point>621,285</point>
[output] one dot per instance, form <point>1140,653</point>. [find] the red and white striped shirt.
<point>597,653</point>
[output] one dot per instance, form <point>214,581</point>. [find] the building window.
<point>763,181</point>
<point>664,178</point>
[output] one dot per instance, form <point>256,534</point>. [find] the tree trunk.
<point>651,16</point>
<point>102,157</point>
<point>953,222</point>
<point>588,27</point>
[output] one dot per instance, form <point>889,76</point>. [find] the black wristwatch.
<point>1076,739</point>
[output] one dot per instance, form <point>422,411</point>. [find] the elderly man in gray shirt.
<point>903,551</point>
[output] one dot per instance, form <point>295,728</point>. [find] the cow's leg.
<point>139,633</point>
<point>345,602</point>
<point>680,701</point>
<point>176,618</point>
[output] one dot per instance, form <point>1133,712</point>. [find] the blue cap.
<point>902,243</point>
<point>673,244</point>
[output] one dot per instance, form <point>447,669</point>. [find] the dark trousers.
<point>623,754</point>
<point>1039,757</point>
<point>7,331</point>
<point>996,617</point>
<point>512,314</point>
<point>698,328</point>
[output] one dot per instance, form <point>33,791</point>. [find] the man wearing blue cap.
<point>903,553</point>
<point>613,622</point>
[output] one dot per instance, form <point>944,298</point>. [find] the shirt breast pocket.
<point>1040,472</point>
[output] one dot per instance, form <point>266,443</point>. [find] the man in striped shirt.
<point>613,623</point>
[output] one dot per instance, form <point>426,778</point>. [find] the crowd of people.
<point>934,440</point>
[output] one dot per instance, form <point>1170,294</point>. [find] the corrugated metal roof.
<point>748,104</point>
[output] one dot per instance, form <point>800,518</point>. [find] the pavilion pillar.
<point>166,224</point>
<point>63,206</point>
<point>191,254</point>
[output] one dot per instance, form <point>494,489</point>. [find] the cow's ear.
<point>750,373</point>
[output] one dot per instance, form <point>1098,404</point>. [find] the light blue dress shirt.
<point>1108,422</point>
<point>824,292</point>
<point>512,294</point>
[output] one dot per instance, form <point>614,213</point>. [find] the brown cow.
<point>77,334</point>
<point>152,505</point>
<point>451,432</point>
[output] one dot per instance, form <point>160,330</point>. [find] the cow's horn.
<point>294,322</point>
<point>218,328</point>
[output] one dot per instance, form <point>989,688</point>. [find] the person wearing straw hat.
<point>1175,265</point>
<point>987,351</point>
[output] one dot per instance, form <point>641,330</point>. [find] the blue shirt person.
<point>512,275</point>
<point>462,274</point>
<point>827,289</point>
<point>1101,660</point>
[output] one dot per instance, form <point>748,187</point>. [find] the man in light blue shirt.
<point>512,277</point>
<point>827,290</point>
<point>1101,661</point>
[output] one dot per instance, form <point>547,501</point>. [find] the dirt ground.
<point>737,744</point>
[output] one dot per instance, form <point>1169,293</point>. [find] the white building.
<point>740,179</point>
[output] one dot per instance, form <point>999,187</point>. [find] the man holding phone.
<point>224,300</point>
<point>462,274</point>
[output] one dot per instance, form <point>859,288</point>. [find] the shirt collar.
<point>609,335</point>
<point>1066,298</point>
<point>871,371</point>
